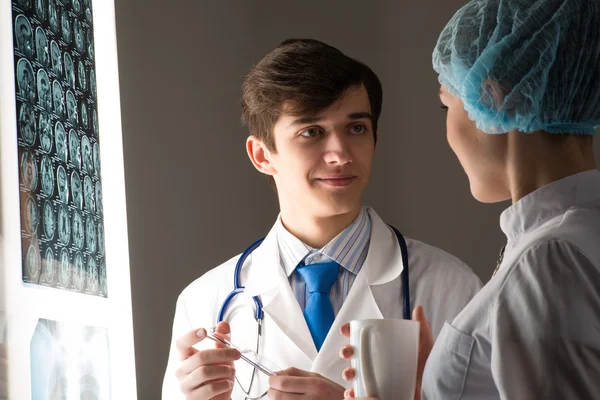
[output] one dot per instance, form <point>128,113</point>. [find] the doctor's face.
<point>322,163</point>
<point>482,155</point>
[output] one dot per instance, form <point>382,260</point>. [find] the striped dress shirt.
<point>349,249</point>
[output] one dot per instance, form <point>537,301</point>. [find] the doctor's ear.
<point>260,155</point>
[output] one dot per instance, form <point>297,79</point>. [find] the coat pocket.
<point>447,365</point>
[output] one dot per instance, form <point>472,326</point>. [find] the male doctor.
<point>312,114</point>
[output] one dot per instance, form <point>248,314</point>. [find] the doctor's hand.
<point>293,383</point>
<point>425,346</point>
<point>205,374</point>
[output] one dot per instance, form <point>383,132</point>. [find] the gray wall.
<point>193,198</point>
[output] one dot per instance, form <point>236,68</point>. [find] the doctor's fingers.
<point>207,357</point>
<point>212,390</point>
<point>223,328</point>
<point>317,386</point>
<point>184,343</point>
<point>275,394</point>
<point>204,375</point>
<point>297,372</point>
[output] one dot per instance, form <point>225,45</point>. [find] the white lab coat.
<point>533,332</point>
<point>439,282</point>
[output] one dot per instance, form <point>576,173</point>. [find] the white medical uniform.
<point>439,282</point>
<point>533,332</point>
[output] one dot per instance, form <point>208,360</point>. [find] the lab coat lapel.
<point>266,278</point>
<point>383,264</point>
<point>360,304</point>
<point>284,310</point>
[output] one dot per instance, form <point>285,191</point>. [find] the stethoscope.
<point>259,315</point>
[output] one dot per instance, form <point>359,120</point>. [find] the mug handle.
<point>366,363</point>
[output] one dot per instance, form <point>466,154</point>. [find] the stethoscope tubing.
<point>238,288</point>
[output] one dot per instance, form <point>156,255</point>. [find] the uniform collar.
<point>262,271</point>
<point>345,248</point>
<point>550,201</point>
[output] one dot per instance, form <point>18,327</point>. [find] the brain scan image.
<point>64,224</point>
<point>49,220</point>
<point>29,171</point>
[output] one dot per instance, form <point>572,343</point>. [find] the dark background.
<point>193,198</point>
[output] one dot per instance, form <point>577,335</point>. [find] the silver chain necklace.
<point>499,260</point>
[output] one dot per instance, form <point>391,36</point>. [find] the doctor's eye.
<point>358,129</point>
<point>310,132</point>
<point>443,107</point>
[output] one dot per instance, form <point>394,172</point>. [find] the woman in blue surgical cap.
<point>520,80</point>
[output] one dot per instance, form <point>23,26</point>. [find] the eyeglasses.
<point>258,363</point>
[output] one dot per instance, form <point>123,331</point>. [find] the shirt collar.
<point>345,249</point>
<point>550,201</point>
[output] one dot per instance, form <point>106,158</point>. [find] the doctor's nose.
<point>337,149</point>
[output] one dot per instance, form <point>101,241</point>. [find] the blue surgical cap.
<point>526,65</point>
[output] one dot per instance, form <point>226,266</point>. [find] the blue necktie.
<point>318,312</point>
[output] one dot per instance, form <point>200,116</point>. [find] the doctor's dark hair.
<point>310,76</point>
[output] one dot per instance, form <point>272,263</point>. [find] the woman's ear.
<point>493,94</point>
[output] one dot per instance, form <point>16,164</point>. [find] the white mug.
<point>385,358</point>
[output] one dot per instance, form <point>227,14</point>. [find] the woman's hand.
<point>425,346</point>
